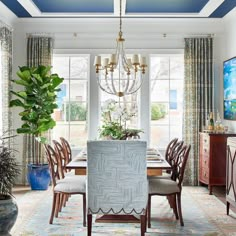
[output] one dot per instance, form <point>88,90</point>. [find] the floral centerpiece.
<point>114,118</point>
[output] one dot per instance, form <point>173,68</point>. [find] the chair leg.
<point>173,197</point>
<point>89,226</point>
<point>53,208</point>
<point>84,210</point>
<point>227,208</point>
<point>180,209</point>
<point>57,204</point>
<point>142,221</point>
<point>149,211</point>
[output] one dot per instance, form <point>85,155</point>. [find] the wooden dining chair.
<point>62,154</point>
<point>63,186</point>
<point>170,148</point>
<point>67,149</point>
<point>117,179</point>
<point>171,187</point>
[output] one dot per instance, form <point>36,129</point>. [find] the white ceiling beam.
<point>30,7</point>
<point>210,7</point>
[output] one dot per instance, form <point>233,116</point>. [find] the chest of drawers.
<point>212,159</point>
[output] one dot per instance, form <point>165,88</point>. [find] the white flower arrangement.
<point>114,121</point>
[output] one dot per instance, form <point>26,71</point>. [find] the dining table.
<point>156,163</point>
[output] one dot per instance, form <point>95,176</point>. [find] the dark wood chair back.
<point>67,149</point>
<point>55,164</point>
<point>62,154</point>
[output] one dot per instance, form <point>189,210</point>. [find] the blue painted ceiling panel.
<point>80,6</point>
<point>16,8</point>
<point>224,8</point>
<point>165,6</point>
<point>136,7</point>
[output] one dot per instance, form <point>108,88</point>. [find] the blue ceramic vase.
<point>38,176</point>
<point>8,215</point>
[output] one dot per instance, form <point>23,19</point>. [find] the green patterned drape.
<point>198,97</point>
<point>39,52</point>
<point>5,77</point>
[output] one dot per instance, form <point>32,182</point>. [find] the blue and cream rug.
<point>203,215</point>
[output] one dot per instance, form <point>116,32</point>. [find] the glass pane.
<point>160,90</point>
<point>78,90</point>
<point>176,102</point>
<point>60,65</point>
<point>79,67</point>
<point>159,68</point>
<point>176,131</point>
<point>159,113</point>
<point>159,136</point>
<point>176,68</point>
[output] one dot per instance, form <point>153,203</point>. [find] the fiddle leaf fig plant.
<point>37,98</point>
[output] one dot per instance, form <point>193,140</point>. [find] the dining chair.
<point>62,154</point>
<point>67,148</point>
<point>170,148</point>
<point>63,186</point>
<point>170,187</point>
<point>117,179</point>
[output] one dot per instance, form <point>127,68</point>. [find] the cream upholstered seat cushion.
<point>163,186</point>
<point>71,185</point>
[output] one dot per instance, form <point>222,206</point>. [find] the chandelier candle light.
<point>130,71</point>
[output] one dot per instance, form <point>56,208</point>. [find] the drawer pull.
<point>205,174</point>
<point>205,161</point>
<point>205,150</point>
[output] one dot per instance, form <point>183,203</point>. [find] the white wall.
<point>229,49</point>
<point>98,36</point>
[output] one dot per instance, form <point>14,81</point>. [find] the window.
<point>166,88</point>
<point>72,100</point>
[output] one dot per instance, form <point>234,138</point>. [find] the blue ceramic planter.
<point>8,215</point>
<point>38,176</point>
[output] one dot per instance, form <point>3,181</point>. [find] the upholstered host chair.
<point>170,187</point>
<point>117,179</point>
<point>63,186</point>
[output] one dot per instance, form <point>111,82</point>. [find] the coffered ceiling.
<point>130,8</point>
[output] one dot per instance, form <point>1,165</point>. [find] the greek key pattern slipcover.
<point>117,177</point>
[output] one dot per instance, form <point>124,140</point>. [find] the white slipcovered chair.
<point>117,179</point>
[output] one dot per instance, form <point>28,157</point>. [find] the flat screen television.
<point>229,74</point>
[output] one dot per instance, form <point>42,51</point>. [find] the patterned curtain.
<point>5,78</point>
<point>198,97</point>
<point>39,52</point>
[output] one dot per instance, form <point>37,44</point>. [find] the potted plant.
<point>8,173</point>
<point>114,122</point>
<point>38,100</point>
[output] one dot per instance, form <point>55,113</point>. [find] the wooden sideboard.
<point>212,158</point>
<point>231,174</point>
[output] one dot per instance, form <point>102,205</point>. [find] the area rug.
<point>203,214</point>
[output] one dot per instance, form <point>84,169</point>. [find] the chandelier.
<point>119,75</point>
